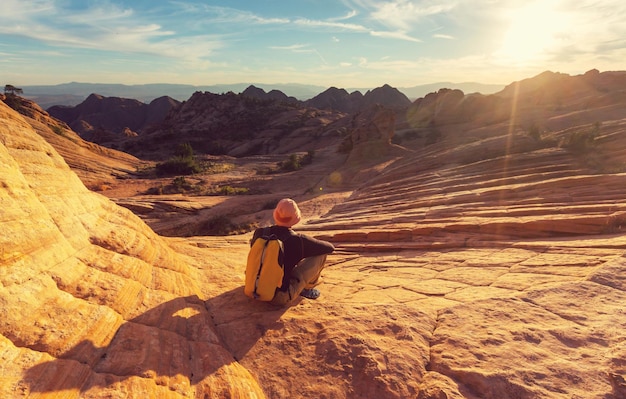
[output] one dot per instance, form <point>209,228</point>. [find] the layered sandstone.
<point>97,167</point>
<point>94,303</point>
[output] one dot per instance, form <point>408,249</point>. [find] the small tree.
<point>10,89</point>
<point>184,150</point>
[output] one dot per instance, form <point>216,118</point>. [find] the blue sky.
<point>343,43</point>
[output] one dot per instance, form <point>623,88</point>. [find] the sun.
<point>534,30</point>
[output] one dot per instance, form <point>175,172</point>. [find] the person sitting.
<point>304,256</point>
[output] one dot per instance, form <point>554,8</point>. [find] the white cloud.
<point>293,47</point>
<point>395,35</point>
<point>402,15</point>
<point>405,14</point>
<point>105,27</point>
<point>330,24</point>
<point>350,14</point>
<point>225,15</point>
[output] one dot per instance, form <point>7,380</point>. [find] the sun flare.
<point>534,30</point>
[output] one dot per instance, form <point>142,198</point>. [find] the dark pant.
<point>305,274</point>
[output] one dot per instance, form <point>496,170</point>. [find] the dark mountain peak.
<point>333,98</point>
<point>279,95</point>
<point>335,91</point>
<point>95,102</point>
<point>340,100</point>
<point>387,96</point>
<point>254,92</point>
<point>258,93</point>
<point>164,100</point>
<point>356,95</point>
<point>93,97</point>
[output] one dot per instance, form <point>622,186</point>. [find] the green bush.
<point>178,166</point>
<point>180,184</point>
<point>291,164</point>
<point>229,190</point>
<point>184,150</point>
<point>58,130</point>
<point>296,162</point>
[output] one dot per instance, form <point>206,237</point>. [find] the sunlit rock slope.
<point>93,303</point>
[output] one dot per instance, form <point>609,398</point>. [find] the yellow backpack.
<point>265,267</point>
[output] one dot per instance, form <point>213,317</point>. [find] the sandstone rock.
<point>94,303</point>
<point>96,166</point>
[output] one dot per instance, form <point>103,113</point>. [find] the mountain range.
<point>74,93</point>
<point>256,121</point>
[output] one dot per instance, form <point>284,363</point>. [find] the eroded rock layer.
<point>93,302</point>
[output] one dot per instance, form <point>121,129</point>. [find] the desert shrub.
<point>183,163</point>
<point>180,184</point>
<point>293,163</point>
<point>184,150</point>
<point>178,166</point>
<point>229,190</point>
<point>217,167</point>
<point>57,130</point>
<point>266,171</point>
<point>296,162</point>
<point>582,141</point>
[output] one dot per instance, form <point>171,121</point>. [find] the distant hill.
<point>420,91</point>
<point>260,94</point>
<point>101,119</point>
<point>74,93</point>
<point>340,100</point>
<point>237,125</point>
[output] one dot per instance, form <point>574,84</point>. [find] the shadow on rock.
<point>241,322</point>
<point>176,346</point>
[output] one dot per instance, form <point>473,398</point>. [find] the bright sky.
<point>343,43</point>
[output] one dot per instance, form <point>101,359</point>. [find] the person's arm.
<point>313,247</point>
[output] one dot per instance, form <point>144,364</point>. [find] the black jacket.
<point>297,247</point>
